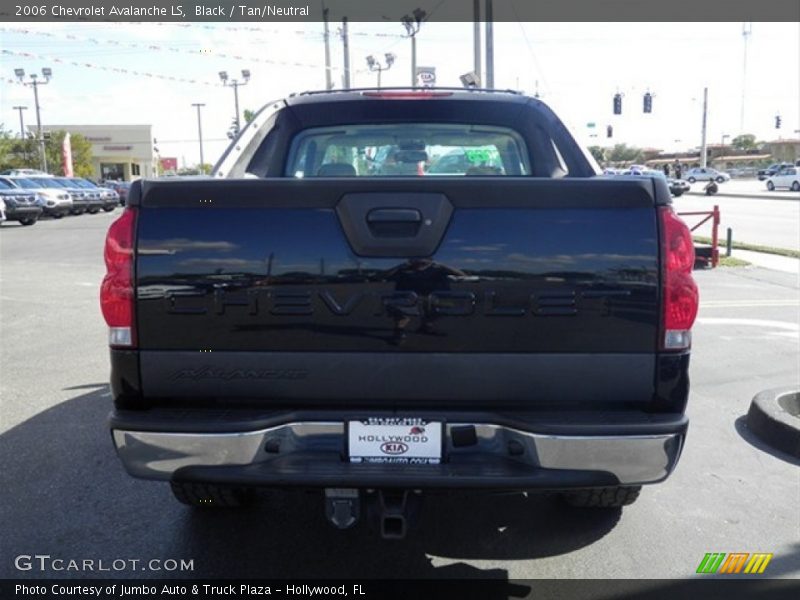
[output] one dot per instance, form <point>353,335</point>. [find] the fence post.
<point>729,242</point>
<point>715,238</point>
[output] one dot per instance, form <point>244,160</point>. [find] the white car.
<point>2,210</point>
<point>788,177</point>
<point>57,203</point>
<point>706,174</point>
<point>24,173</point>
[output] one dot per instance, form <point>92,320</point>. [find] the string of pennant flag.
<point>137,73</point>
<point>242,28</point>
<point>162,48</point>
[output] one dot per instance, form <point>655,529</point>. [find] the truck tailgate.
<point>461,290</point>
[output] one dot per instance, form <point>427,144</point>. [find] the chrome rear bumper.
<point>311,453</point>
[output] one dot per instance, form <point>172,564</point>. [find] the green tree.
<point>249,115</point>
<point>745,142</point>
<point>598,153</point>
<point>625,153</point>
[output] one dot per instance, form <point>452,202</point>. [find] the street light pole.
<point>235,83</point>
<point>412,25</point>
<point>703,148</point>
<point>374,65</point>
<point>35,83</point>
<point>200,133</point>
<point>21,122</point>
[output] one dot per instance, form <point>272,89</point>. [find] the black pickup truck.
<point>300,319</point>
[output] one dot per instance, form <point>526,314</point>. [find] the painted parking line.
<point>747,303</point>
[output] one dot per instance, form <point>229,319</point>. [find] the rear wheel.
<point>692,179</point>
<point>58,215</point>
<point>212,496</point>
<point>770,186</point>
<point>29,220</point>
<point>720,180</point>
<point>796,186</point>
<point>608,497</point>
<point>93,211</point>
<point>108,208</point>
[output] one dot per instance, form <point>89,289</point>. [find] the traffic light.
<point>648,102</point>
<point>609,131</point>
<point>617,104</point>
<point>777,121</point>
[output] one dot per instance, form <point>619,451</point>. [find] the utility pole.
<point>489,46</point>
<point>328,82</point>
<point>703,148</point>
<point>47,73</point>
<point>476,38</point>
<point>235,84</point>
<point>21,122</point>
<point>200,133</point>
<point>747,30</point>
<point>346,45</point>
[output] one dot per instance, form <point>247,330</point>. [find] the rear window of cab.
<point>407,150</point>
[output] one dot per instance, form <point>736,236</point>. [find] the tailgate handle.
<point>394,215</point>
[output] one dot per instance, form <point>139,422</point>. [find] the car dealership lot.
<point>65,493</point>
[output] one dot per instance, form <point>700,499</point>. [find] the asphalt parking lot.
<point>66,495</point>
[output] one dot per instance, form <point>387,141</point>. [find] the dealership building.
<point>123,152</point>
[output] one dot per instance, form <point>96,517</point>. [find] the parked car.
<point>57,201</point>
<point>785,178</point>
<point>706,174</point>
<point>2,210</point>
<point>121,187</point>
<point>93,196</point>
<point>677,187</point>
<point>772,169</point>
<point>21,205</point>
<point>80,200</point>
<point>110,198</point>
<point>25,173</point>
<point>522,332</point>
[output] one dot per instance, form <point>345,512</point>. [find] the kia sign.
<point>426,76</point>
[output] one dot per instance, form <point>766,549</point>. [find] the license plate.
<point>395,440</point>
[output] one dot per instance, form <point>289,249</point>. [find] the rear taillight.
<point>116,292</point>
<point>680,297</point>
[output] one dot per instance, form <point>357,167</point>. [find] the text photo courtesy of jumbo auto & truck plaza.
<point>423,298</point>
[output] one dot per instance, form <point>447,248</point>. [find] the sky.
<point>576,68</point>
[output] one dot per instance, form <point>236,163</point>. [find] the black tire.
<point>608,497</point>
<point>691,180</point>
<point>206,495</point>
<point>29,221</point>
<point>58,215</point>
<point>677,194</point>
<point>108,208</point>
<point>720,180</point>
<point>770,186</point>
<point>93,211</point>
<point>796,186</point>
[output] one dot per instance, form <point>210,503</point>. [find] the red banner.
<point>66,157</point>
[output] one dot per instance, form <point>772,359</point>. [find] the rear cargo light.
<point>116,292</point>
<point>407,95</point>
<point>680,297</point>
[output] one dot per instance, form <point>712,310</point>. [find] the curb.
<point>774,416</point>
